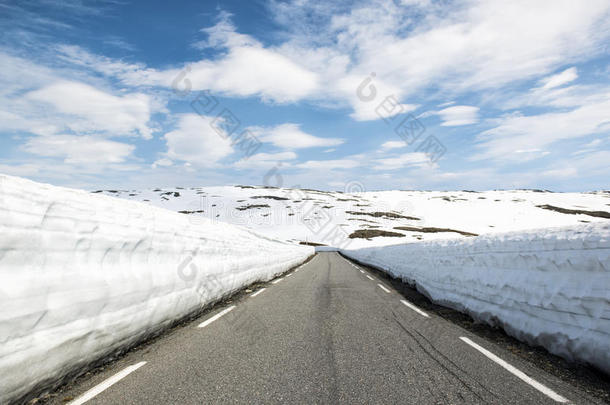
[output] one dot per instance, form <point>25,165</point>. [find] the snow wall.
<point>83,276</point>
<point>549,287</point>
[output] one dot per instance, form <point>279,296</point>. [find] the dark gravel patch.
<point>270,197</point>
<point>379,214</point>
<point>247,207</point>
<point>373,233</point>
<point>432,229</point>
<point>598,214</point>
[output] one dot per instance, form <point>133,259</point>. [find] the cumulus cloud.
<point>90,110</point>
<point>195,141</point>
<point>79,149</point>
<point>290,136</point>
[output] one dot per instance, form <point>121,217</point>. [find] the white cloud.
<point>265,160</point>
<point>330,48</point>
<point>91,110</point>
<point>593,163</point>
<point>195,141</point>
<point>79,149</point>
<point>459,115</point>
<point>408,159</point>
<point>163,162</point>
<point>560,79</point>
<point>457,47</point>
<point>329,164</point>
<point>254,71</point>
<point>22,170</point>
<point>290,136</point>
<point>518,137</point>
<point>393,145</point>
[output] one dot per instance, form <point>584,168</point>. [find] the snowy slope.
<point>549,287</point>
<point>328,217</point>
<point>83,275</point>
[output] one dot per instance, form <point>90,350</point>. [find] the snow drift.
<point>549,287</point>
<point>82,276</point>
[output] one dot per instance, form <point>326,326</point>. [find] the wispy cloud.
<point>459,115</point>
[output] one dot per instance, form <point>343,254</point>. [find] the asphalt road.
<point>329,332</point>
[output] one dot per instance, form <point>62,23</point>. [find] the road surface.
<point>330,332</point>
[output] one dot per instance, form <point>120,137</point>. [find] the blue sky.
<point>487,94</point>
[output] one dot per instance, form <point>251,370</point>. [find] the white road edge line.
<point>258,292</point>
<point>414,308</point>
<point>276,281</point>
<point>106,384</point>
<point>289,275</point>
<point>215,317</point>
<point>518,373</point>
<point>369,277</point>
<point>383,288</point>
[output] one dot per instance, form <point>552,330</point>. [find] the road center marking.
<point>414,308</point>
<point>369,277</point>
<point>362,271</point>
<point>106,384</point>
<point>383,288</point>
<point>215,317</point>
<point>276,281</point>
<point>518,373</point>
<point>258,292</point>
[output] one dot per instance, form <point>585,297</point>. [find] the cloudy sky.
<point>402,94</point>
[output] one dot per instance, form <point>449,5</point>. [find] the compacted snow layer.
<point>82,276</point>
<point>549,287</point>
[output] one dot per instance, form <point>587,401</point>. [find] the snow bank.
<point>549,287</point>
<point>84,275</point>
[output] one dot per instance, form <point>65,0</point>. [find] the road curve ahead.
<point>329,332</point>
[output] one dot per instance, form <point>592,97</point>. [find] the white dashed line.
<point>369,277</point>
<point>258,292</point>
<point>362,271</point>
<point>518,373</point>
<point>215,317</point>
<point>106,384</point>
<point>276,281</point>
<point>414,308</point>
<point>383,288</point>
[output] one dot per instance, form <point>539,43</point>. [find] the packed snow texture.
<point>549,287</point>
<point>83,275</point>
